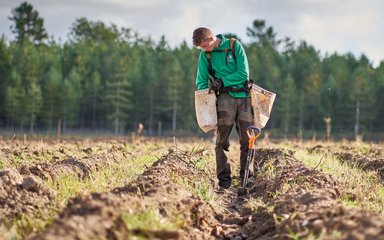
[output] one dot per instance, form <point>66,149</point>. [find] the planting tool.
<point>253,133</point>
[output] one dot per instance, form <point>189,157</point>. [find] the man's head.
<point>204,38</point>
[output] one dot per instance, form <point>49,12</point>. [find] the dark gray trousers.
<point>232,111</point>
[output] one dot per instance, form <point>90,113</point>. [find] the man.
<point>225,72</point>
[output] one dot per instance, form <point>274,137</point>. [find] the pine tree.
<point>28,24</point>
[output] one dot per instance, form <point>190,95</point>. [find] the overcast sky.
<point>340,26</point>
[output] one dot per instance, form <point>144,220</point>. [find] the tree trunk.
<point>64,125</point>
<point>159,128</point>
<point>151,106</point>
<point>301,116</point>
<point>357,117</point>
<point>50,116</point>
<point>32,125</point>
<point>32,117</point>
<point>58,130</point>
<point>94,111</point>
<point>286,120</point>
<point>116,126</point>
<point>174,116</point>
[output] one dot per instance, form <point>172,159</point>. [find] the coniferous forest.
<point>105,78</point>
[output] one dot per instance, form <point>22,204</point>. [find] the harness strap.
<point>212,72</point>
<point>243,89</point>
<point>226,50</point>
<point>232,89</point>
<point>232,45</point>
<point>210,69</point>
<point>247,88</point>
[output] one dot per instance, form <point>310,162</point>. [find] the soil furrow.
<point>309,207</point>
<point>22,194</point>
<point>71,166</point>
<point>102,214</point>
<point>372,160</point>
<point>286,200</point>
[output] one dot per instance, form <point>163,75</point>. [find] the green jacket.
<point>233,74</point>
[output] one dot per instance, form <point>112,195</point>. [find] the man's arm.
<point>202,72</point>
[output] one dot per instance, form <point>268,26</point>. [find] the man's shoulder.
<point>223,39</point>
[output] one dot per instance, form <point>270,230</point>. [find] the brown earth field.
<point>367,159</point>
<point>167,189</point>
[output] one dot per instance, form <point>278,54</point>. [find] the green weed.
<point>151,219</point>
<point>199,187</point>
<point>33,222</point>
<point>69,185</point>
<point>364,185</point>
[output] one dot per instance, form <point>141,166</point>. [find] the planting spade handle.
<point>253,133</point>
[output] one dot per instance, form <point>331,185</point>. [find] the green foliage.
<point>118,90</point>
<point>5,71</point>
<point>362,94</point>
<point>110,78</point>
<point>36,222</point>
<point>84,30</point>
<point>151,219</point>
<point>28,24</point>
<point>286,103</point>
<point>70,92</point>
<point>200,187</point>
<point>52,95</point>
<point>329,94</point>
<point>368,194</point>
<point>14,97</point>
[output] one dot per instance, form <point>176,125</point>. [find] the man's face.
<point>207,45</point>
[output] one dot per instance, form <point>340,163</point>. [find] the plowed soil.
<point>371,160</point>
<point>22,194</point>
<point>286,200</point>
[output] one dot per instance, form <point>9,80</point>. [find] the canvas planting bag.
<point>205,107</point>
<point>262,103</point>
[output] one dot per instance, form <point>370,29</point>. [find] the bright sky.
<point>340,26</point>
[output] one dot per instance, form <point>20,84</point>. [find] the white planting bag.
<point>262,103</point>
<point>205,107</point>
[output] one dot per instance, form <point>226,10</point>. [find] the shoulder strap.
<point>210,69</point>
<point>232,42</point>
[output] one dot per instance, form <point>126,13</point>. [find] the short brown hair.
<point>200,35</point>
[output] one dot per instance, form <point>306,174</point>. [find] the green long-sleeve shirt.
<point>233,73</point>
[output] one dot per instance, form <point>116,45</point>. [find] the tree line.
<point>109,78</point>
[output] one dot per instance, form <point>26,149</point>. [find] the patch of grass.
<point>110,177</point>
<point>199,187</point>
<point>201,163</point>
<point>66,186</point>
<point>348,202</point>
<point>18,161</point>
<point>333,235</point>
<point>206,163</point>
<point>365,186</point>
<point>151,219</point>
<point>204,190</point>
<point>268,170</point>
<point>3,164</point>
<point>33,222</point>
<point>292,235</point>
<point>254,204</point>
<point>69,185</point>
<point>363,148</point>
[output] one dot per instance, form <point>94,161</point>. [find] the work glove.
<point>217,84</point>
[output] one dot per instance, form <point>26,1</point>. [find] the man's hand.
<point>217,84</point>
